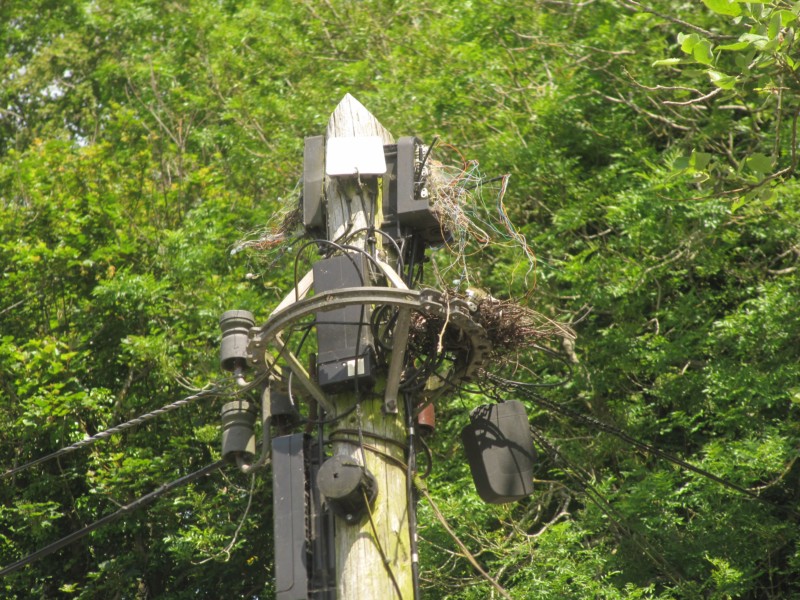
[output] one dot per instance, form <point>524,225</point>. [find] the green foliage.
<point>750,65</point>
<point>652,149</point>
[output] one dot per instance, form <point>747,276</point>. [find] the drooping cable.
<point>343,248</point>
<point>227,549</point>
<point>141,419</point>
<point>387,236</point>
<point>599,425</point>
<point>138,503</point>
<point>411,495</point>
<point>583,479</point>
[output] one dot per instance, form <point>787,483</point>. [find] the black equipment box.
<point>500,451</point>
<point>345,350</point>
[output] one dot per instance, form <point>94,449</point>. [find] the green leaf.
<point>721,80</point>
<point>774,27</point>
<point>681,163</point>
<point>667,62</point>
<point>787,17</point>
<point>724,7</point>
<point>700,160</point>
<point>702,52</point>
<point>736,46</point>
<point>759,163</point>
<point>688,42</point>
<point>696,161</point>
<point>759,41</point>
<point>738,203</point>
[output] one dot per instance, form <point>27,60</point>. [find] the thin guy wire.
<point>521,388</point>
<point>583,479</point>
<point>385,560</point>
<point>227,549</point>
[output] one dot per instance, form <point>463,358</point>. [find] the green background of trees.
<point>652,148</point>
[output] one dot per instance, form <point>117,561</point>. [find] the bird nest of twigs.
<point>508,326</point>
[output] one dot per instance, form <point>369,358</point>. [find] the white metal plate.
<point>354,156</point>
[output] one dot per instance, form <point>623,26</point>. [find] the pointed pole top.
<point>351,119</point>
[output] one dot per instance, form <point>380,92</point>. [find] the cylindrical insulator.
<point>235,325</point>
<point>238,430</point>
<point>426,420</point>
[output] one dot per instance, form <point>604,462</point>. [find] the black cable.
<point>428,153</point>
<point>560,358</point>
<point>412,257</point>
<point>374,325</point>
<point>138,503</point>
<point>400,264</point>
<point>636,443</point>
<point>428,455</point>
<point>320,241</point>
<point>374,436</point>
<point>418,377</point>
<point>410,496</point>
<point>215,391</point>
<point>374,449</point>
<point>583,479</point>
<point>330,420</point>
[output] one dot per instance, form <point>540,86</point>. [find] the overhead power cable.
<point>144,500</point>
<point>214,391</point>
<point>626,437</point>
<point>583,479</point>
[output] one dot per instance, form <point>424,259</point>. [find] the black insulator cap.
<point>235,326</point>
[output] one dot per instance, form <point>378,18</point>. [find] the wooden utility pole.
<point>345,524</point>
<point>373,556</point>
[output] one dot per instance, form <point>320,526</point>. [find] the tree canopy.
<point>652,148</point>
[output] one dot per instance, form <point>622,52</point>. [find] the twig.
<point>693,100</point>
<point>12,307</point>
<point>440,345</point>
<point>633,5</point>
<point>465,551</point>
<point>227,549</point>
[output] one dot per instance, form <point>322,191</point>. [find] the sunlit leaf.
<point>724,7</point>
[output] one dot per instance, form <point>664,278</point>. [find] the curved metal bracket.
<point>429,302</point>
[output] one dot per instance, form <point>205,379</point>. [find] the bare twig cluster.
<point>509,327</point>
<point>512,326</point>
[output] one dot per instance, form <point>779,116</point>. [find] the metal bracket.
<point>428,302</point>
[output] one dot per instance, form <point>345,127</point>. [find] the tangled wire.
<point>471,210</point>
